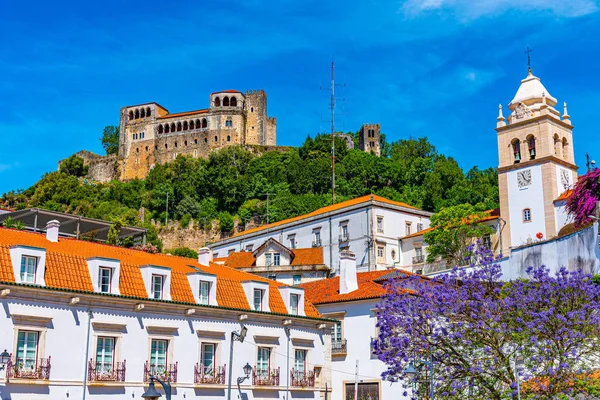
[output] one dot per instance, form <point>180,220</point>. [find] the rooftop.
<point>328,290</point>
<point>493,214</point>
<point>67,269</point>
<point>531,91</point>
<point>307,256</point>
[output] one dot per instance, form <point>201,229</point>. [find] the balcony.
<point>106,373</point>
<point>28,369</point>
<point>338,346</point>
<point>302,378</point>
<point>418,259</point>
<point>167,373</point>
<point>209,376</point>
<point>316,243</point>
<point>265,377</point>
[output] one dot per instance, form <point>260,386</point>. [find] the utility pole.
<point>332,106</point>
<point>589,163</point>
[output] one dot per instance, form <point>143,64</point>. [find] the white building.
<point>82,318</point>
<point>369,226</point>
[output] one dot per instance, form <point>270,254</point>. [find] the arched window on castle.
<point>185,125</point>
<point>531,146</point>
<point>191,124</point>
<point>516,149</point>
<point>178,126</point>
<point>233,102</point>
<point>142,135</point>
<point>217,102</point>
<point>167,129</point>
<point>228,138</point>
<point>229,123</point>
<point>185,142</point>
<point>137,114</point>
<point>226,102</point>
<point>130,115</point>
<point>557,146</point>
<point>204,123</point>
<point>143,113</point>
<point>205,140</point>
<point>565,148</point>
<point>172,127</point>
<point>216,140</point>
<point>148,112</point>
<point>160,129</point>
<point>527,215</point>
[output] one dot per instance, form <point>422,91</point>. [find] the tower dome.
<point>531,93</point>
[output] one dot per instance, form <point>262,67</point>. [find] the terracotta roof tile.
<point>565,195</point>
<point>66,268</point>
<point>307,256</point>
<point>324,210</point>
<point>327,290</point>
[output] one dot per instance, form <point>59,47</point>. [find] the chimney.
<point>348,280</point>
<point>205,256</point>
<point>52,230</point>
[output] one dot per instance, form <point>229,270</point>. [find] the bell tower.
<point>536,163</point>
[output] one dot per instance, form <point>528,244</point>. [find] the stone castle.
<point>150,135</point>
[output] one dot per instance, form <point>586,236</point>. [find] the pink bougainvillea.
<point>586,194</point>
<point>148,248</point>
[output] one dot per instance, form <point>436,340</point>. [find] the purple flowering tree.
<point>584,198</point>
<point>474,326</point>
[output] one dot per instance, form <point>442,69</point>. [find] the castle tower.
<point>369,138</point>
<point>536,163</point>
<point>260,129</point>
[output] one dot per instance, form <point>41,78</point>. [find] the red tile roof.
<point>66,268</point>
<point>327,290</point>
<point>565,195</point>
<point>327,209</point>
<point>246,259</point>
<point>227,91</point>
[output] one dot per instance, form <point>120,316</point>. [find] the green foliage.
<point>9,222</point>
<point>73,166</point>
<point>110,139</point>
<point>225,221</point>
<point>113,232</point>
<point>454,229</point>
<point>183,252</point>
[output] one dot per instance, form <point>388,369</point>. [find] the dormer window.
<point>104,279</point>
<point>204,292</point>
<point>157,286</point>
<point>294,300</point>
<point>28,269</point>
<point>258,299</point>
<point>204,287</point>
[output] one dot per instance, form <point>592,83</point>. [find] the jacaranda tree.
<point>474,326</point>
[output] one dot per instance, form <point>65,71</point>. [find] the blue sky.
<point>435,68</point>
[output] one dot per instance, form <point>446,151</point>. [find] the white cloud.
<point>473,9</point>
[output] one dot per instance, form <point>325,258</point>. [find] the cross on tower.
<point>528,51</point>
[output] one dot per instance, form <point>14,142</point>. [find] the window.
<point>104,279</point>
<point>204,292</point>
<point>28,268</point>
<point>408,228</point>
<point>419,253</point>
<point>229,123</point>
<point>258,299</point>
<point>487,242</point>
<point>157,286</point>
<point>317,238</point>
<point>249,247</point>
<point>380,224</point>
<point>292,241</point>
<point>207,356</point>
<point>204,123</point>
<point>217,102</point>
<point>336,332</point>
<point>276,259</point>
<point>294,300</point>
<point>419,227</point>
<point>366,390</point>
<point>105,350</point>
<point>344,233</point>
<point>268,261</point>
<point>527,215</point>
<point>233,102</point>
<point>226,101</point>
<point>297,279</point>
<point>251,109</point>
<point>380,252</point>
<point>158,355</point>
<point>531,143</point>
<point>228,138</point>
<point>516,147</point>
<point>27,344</point>
<point>272,277</point>
<point>300,361</point>
<point>263,362</point>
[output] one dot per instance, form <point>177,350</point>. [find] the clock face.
<point>565,178</point>
<point>524,178</point>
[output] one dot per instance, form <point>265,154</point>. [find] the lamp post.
<point>4,357</point>
<point>153,394</point>
<point>412,371</point>
<point>240,338</point>
<point>519,362</point>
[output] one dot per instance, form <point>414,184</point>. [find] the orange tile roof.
<point>565,195</point>
<point>327,290</point>
<point>66,268</point>
<point>327,209</point>
<point>182,114</point>
<point>308,256</point>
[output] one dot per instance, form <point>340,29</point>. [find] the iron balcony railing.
<point>209,375</point>
<point>98,372</point>
<point>418,259</point>
<point>338,346</point>
<point>167,373</point>
<point>302,378</point>
<point>19,368</point>
<point>265,377</point>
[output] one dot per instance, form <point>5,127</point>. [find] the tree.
<point>112,236</point>
<point>73,166</point>
<point>183,252</point>
<point>454,229</point>
<point>110,139</point>
<point>474,325</point>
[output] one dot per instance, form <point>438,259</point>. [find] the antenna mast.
<point>332,106</point>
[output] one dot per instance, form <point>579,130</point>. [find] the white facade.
<point>349,225</point>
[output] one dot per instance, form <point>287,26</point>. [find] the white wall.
<point>531,197</point>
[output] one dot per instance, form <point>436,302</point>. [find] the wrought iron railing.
<point>28,369</point>
<point>265,377</point>
<point>418,259</point>
<point>209,375</point>
<point>167,373</point>
<point>338,346</point>
<point>98,372</point>
<point>302,378</point>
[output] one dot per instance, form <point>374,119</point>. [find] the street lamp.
<point>4,357</point>
<point>240,338</point>
<point>153,394</point>
<point>247,371</point>
<point>411,371</point>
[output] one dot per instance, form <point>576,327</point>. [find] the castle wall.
<point>369,138</point>
<point>255,108</point>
